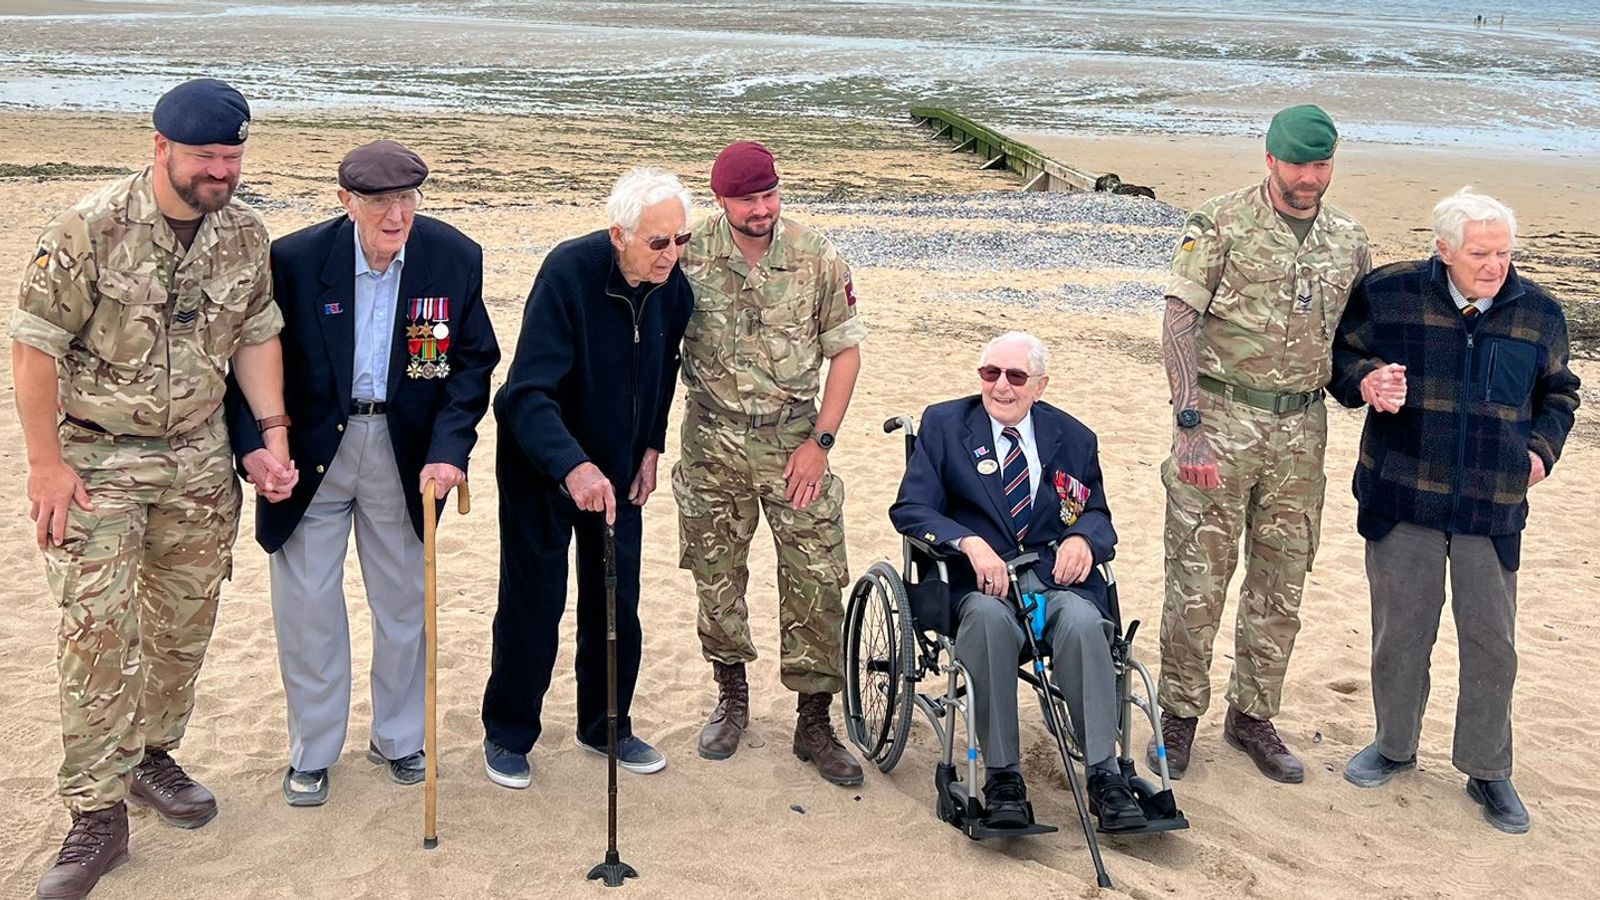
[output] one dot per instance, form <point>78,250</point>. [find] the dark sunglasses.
<point>659,244</point>
<point>991,374</point>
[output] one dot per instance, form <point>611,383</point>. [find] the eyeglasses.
<point>659,244</point>
<point>991,374</point>
<point>406,200</point>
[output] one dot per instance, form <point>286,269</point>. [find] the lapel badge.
<point>988,467</point>
<point>332,309</point>
<point>981,452</point>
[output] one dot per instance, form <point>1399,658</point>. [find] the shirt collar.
<point>1461,299</point>
<point>1024,428</point>
<point>361,257</point>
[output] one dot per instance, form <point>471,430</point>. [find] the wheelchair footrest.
<point>980,832</point>
<point>960,808</point>
<point>1152,826</point>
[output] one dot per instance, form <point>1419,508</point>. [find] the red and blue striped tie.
<point>1014,474</point>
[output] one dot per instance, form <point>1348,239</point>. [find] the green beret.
<point>1302,134</point>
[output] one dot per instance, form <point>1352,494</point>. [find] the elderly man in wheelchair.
<point>1006,533</point>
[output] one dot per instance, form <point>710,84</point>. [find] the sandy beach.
<point>762,824</point>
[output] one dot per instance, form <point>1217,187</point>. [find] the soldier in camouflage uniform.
<point>1260,279</point>
<point>139,298</point>
<point>772,300</point>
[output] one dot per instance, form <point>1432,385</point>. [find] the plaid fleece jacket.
<point>1478,398</point>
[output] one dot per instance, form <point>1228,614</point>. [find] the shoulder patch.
<point>42,258</point>
<point>1198,221</point>
<point>849,289</point>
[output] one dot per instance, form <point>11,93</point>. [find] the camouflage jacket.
<point>1270,304</point>
<point>756,341</point>
<point>142,330</point>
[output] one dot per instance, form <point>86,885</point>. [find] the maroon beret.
<point>381,167</point>
<point>743,167</point>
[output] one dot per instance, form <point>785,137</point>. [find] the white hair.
<point>640,188</point>
<point>1038,354</point>
<point>1451,215</point>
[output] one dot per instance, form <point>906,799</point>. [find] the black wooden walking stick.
<point>613,870</point>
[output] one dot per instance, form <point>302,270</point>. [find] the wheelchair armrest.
<point>934,552</point>
<point>1021,562</point>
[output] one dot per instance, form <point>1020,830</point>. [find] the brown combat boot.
<point>1177,735</point>
<point>1257,739</point>
<point>161,784</point>
<point>96,844</point>
<point>728,721</point>
<point>815,743</point>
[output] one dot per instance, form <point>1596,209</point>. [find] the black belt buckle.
<point>367,407</point>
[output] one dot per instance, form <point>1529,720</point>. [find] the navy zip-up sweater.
<point>595,366</point>
<point>1479,397</point>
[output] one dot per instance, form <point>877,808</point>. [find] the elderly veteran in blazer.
<point>1462,363</point>
<point>387,356</point>
<point>997,475</point>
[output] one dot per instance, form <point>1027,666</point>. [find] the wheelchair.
<point>898,639</point>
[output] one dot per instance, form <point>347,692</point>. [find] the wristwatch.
<point>1189,418</point>
<point>272,422</point>
<point>824,439</point>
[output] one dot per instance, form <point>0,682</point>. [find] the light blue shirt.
<point>377,303</point>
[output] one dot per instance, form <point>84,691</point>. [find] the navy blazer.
<point>430,419</point>
<point>944,498</point>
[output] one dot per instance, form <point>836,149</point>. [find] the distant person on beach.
<point>388,350</point>
<point>996,474</point>
<point>773,299</point>
<point>582,424</point>
<point>1259,279</point>
<point>140,299</point>
<point>1463,365</point>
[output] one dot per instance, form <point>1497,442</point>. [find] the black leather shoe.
<point>1113,802</point>
<point>1502,808</point>
<point>1370,768</point>
<point>1005,801</point>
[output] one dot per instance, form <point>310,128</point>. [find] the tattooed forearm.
<point>1178,346</point>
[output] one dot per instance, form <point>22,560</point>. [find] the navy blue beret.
<point>203,111</point>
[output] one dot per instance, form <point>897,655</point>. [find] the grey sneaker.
<point>305,788</point>
<point>410,769</point>
<point>1370,768</point>
<point>505,768</point>
<point>634,755</point>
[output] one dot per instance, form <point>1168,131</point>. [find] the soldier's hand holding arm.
<point>592,491</point>
<point>809,463</point>
<point>53,486</point>
<point>644,483</point>
<point>990,569</point>
<point>258,369</point>
<point>1384,388</point>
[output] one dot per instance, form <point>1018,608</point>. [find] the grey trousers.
<point>989,642</point>
<point>1406,571</point>
<point>362,486</point>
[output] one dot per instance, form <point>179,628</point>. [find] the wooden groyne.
<point>1038,172</point>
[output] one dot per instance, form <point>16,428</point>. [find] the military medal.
<point>428,337</point>
<point>1073,494</point>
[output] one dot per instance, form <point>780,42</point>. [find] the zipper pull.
<point>636,332</point>
<point>1469,340</point>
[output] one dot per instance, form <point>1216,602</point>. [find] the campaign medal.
<point>428,337</point>
<point>1073,494</point>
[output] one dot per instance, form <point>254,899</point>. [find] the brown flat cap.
<point>381,167</point>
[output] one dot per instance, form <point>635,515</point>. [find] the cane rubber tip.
<point>430,843</point>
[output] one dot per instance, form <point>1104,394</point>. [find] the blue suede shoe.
<point>505,768</point>
<point>634,755</point>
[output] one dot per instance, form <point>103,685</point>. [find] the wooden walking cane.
<point>430,592</point>
<point>613,870</point>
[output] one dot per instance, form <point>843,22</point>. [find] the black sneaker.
<point>1005,801</point>
<point>409,769</point>
<point>1112,801</point>
<point>309,788</point>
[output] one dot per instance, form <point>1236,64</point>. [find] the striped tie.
<point>1014,474</point>
<point>1470,311</point>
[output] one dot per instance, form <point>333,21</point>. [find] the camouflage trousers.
<point>137,580</point>
<point>1271,491</point>
<point>727,473</point>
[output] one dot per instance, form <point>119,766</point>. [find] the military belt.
<point>1268,400</point>
<point>797,410</point>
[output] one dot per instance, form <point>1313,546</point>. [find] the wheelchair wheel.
<point>880,655</point>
